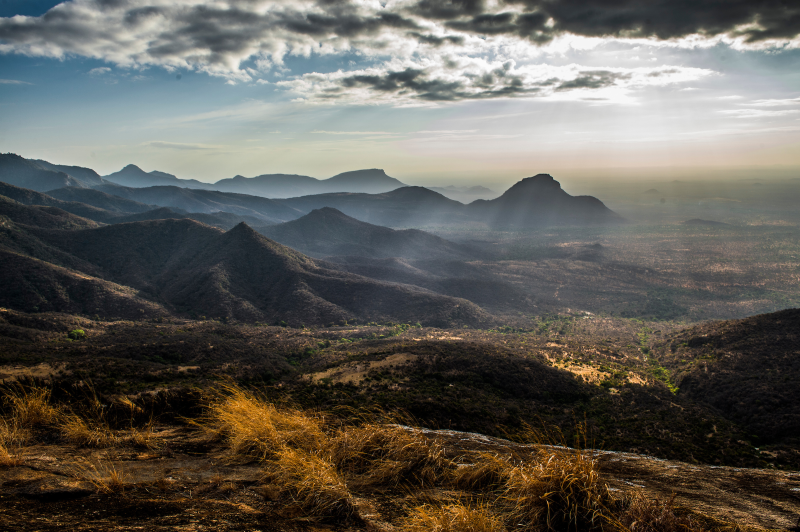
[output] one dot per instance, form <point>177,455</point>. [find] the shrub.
<point>76,334</point>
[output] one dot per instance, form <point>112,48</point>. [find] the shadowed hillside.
<point>21,172</point>
<point>207,201</point>
<point>100,199</point>
<point>85,175</point>
<point>747,369</point>
<point>223,220</point>
<point>540,201</point>
<point>328,231</point>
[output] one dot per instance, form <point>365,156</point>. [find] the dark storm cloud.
<point>663,19</point>
<point>426,85</point>
<point>596,79</point>
<point>447,9</point>
<point>435,40</point>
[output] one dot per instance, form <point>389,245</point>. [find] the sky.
<point>435,92</point>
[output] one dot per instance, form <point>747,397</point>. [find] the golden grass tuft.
<point>255,428</point>
<point>643,514</point>
<point>389,455</point>
<point>30,407</point>
<point>487,471</point>
<point>456,517</point>
<point>560,489</point>
<point>106,478</point>
<point>310,484</point>
<point>90,433</point>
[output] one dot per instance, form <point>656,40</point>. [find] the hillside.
<point>85,175</point>
<point>207,201</point>
<point>407,206</point>
<point>328,231</point>
<point>21,172</point>
<point>540,201</point>
<point>221,219</point>
<point>746,369</point>
<point>99,199</point>
<point>31,197</point>
<point>42,216</point>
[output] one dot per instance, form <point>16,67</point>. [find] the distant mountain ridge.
<point>328,231</point>
<point>371,181</point>
<point>133,176</point>
<point>540,201</point>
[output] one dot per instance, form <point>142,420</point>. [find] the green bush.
<point>76,334</point>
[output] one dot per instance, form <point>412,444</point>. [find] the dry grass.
<point>487,471</point>
<point>90,433</point>
<point>643,514</point>
<point>106,478</point>
<point>30,407</point>
<point>560,489</point>
<point>309,484</point>
<point>389,455</point>
<point>455,517</point>
<point>255,428</point>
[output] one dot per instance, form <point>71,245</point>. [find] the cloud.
<point>179,146</point>
<point>449,80</point>
<point>323,132</point>
<point>13,82</point>
<point>759,113</point>
<point>774,103</point>
<point>242,40</point>
<point>99,71</point>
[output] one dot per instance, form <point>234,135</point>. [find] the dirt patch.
<point>354,372</point>
<point>40,371</point>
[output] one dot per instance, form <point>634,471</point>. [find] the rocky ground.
<point>183,482</point>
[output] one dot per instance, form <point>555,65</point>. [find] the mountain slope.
<point>133,176</point>
<point>407,206</point>
<point>21,172</point>
<point>85,175</point>
<point>207,201</point>
<point>42,216</point>
<point>540,201</point>
<point>31,197</point>
<point>100,199</point>
<point>327,231</point>
<point>221,219</point>
<point>746,369</point>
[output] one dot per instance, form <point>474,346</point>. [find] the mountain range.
<point>267,185</point>
<point>57,261</point>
